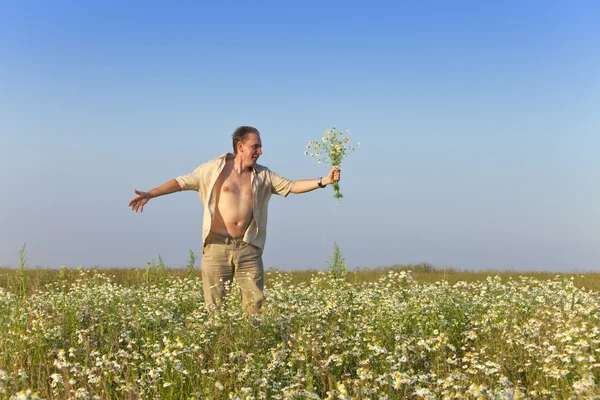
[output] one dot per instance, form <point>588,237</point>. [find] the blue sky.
<point>478,125</point>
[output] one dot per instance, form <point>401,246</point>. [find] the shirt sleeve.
<point>280,185</point>
<point>191,181</point>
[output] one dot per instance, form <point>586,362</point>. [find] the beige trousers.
<point>226,257</point>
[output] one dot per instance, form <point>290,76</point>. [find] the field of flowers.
<point>92,337</point>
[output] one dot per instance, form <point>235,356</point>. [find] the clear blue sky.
<point>478,121</point>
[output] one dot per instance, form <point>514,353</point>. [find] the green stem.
<point>336,191</point>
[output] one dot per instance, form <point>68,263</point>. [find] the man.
<point>235,191</point>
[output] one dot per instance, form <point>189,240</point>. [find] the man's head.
<point>246,143</point>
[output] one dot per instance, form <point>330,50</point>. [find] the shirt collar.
<point>228,156</point>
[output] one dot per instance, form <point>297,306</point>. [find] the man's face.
<point>251,148</point>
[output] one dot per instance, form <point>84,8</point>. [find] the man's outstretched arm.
<point>141,198</point>
<point>307,185</point>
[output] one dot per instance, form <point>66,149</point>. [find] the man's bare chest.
<point>232,185</point>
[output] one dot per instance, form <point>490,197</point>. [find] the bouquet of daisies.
<point>331,150</point>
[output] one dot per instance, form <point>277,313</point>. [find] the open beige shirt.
<point>264,183</point>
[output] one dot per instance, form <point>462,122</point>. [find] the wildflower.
<point>56,380</point>
<point>335,145</point>
<point>26,395</point>
<point>585,385</point>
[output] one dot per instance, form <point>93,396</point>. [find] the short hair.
<point>240,135</point>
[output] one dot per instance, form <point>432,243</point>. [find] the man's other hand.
<point>139,201</point>
<point>334,175</point>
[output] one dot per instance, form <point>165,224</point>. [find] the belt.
<point>214,237</point>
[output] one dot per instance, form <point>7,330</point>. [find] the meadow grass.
<point>38,277</point>
<point>375,333</point>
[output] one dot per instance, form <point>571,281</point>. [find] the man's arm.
<point>307,185</point>
<point>141,198</point>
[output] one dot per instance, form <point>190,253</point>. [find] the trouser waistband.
<point>214,237</point>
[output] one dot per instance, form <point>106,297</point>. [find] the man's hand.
<point>333,176</point>
<point>139,201</point>
<point>141,198</point>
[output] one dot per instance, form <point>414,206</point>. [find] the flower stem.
<point>336,191</point>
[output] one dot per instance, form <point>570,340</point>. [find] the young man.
<point>235,191</point>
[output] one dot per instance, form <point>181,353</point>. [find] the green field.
<point>379,333</point>
<point>421,272</point>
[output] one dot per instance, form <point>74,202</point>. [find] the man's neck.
<point>240,167</point>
